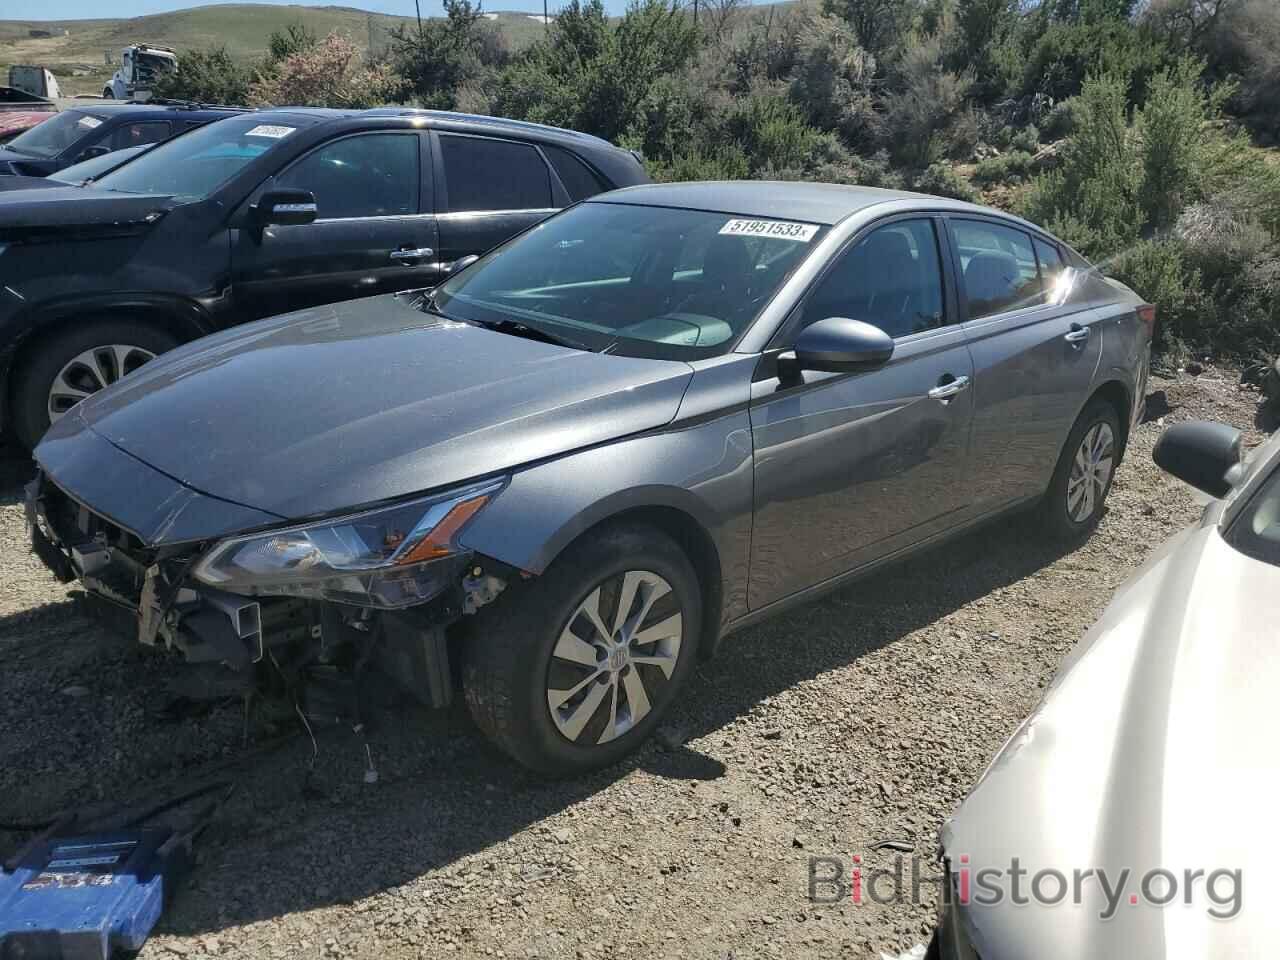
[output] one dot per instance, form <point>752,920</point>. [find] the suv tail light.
<point>1147,314</point>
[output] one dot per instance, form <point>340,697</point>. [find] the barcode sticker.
<point>779,229</point>
<point>274,131</point>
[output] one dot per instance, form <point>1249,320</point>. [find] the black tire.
<point>1055,514</point>
<point>108,94</point>
<point>35,377</point>
<point>508,665</point>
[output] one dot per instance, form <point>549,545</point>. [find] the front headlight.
<point>390,557</point>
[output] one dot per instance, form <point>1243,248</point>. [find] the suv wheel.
<point>572,671</point>
<point>78,363</point>
<point>1073,506</point>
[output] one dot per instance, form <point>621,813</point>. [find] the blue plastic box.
<point>82,898</point>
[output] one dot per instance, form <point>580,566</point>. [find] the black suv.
<point>257,215</point>
<point>93,130</point>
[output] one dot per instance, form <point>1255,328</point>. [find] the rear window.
<point>579,180</point>
<point>484,174</point>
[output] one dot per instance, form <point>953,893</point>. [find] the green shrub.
<point>1027,139</point>
<point>1010,167</point>
<point>207,76</point>
<point>942,180</point>
<point>727,162</point>
<point>1060,121</point>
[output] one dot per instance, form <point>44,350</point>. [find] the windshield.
<point>633,280</point>
<point>56,134</point>
<point>193,165</point>
<point>96,166</point>
<point>1255,531</point>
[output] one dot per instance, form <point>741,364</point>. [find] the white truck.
<point>141,65</point>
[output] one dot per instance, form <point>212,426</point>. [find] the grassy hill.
<point>76,50</point>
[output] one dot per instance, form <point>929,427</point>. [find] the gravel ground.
<point>860,717</point>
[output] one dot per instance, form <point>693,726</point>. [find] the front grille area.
<point>74,526</point>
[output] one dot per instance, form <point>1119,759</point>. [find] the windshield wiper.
<point>518,329</point>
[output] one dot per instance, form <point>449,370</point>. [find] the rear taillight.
<point>1147,314</point>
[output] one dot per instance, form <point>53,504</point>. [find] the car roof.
<point>461,122</point>
<point>108,111</point>
<point>824,203</point>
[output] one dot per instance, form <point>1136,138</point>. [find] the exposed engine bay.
<point>272,644</point>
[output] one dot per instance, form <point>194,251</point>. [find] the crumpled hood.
<point>1152,749</point>
<point>353,403</point>
<point>77,212</point>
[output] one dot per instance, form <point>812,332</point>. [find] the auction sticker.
<point>779,229</point>
<point>274,131</point>
<point>89,123</point>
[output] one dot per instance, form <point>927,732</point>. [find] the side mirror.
<point>1203,454</point>
<point>88,153</point>
<point>284,208</point>
<point>461,263</point>
<point>838,345</point>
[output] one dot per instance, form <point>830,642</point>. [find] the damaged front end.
<point>282,606</point>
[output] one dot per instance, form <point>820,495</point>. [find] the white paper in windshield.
<point>89,122</point>
<point>274,131</point>
<point>778,229</point>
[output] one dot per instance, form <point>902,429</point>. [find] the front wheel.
<point>108,93</point>
<point>1074,503</point>
<point>78,362</point>
<point>572,671</point>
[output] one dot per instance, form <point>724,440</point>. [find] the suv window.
<point>892,278</point>
<point>998,267</point>
<point>371,175</point>
<point>579,179</point>
<point>138,134</point>
<point>483,174</point>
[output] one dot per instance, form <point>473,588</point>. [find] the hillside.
<point>76,50</point>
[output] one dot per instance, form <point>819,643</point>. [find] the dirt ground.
<point>861,717</point>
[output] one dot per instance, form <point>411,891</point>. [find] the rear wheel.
<point>107,94</point>
<point>573,670</point>
<point>76,364</point>
<point>1082,479</point>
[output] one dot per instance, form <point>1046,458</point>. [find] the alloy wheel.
<point>1090,472</point>
<point>90,371</point>
<point>613,657</point>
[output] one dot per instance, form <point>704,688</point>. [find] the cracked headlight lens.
<point>390,557</point>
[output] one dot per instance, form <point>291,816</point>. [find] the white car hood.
<point>1154,748</point>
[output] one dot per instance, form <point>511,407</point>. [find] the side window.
<point>579,179</point>
<point>483,174</point>
<point>892,279</point>
<point>372,175</point>
<point>138,134</point>
<point>1051,266</point>
<point>998,267</point>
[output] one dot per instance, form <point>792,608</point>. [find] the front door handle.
<point>1077,336</point>
<point>417,253</point>
<point>945,391</point>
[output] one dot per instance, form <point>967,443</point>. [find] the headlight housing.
<point>390,557</point>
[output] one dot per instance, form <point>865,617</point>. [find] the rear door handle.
<point>945,391</point>
<point>418,253</point>
<point>1077,336</point>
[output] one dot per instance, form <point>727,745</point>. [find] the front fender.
<point>702,471</point>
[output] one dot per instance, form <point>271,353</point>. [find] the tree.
<point>206,76</point>
<point>434,59</point>
<point>879,25</point>
<point>595,75</point>
<point>329,74</point>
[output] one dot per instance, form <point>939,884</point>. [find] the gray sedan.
<point>582,460</point>
<point>1128,815</point>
